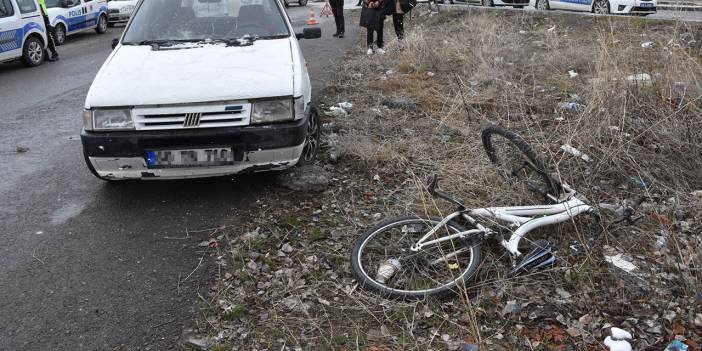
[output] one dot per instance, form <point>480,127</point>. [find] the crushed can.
<point>387,269</point>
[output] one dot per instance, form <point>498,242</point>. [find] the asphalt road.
<point>86,265</point>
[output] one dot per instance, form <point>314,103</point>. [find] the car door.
<point>76,16</point>
<point>10,30</point>
<point>92,8</point>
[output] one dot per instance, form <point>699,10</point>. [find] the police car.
<point>634,7</point>
<point>22,32</point>
<point>120,11</point>
<point>74,16</point>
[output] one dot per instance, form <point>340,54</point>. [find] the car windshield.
<point>201,20</point>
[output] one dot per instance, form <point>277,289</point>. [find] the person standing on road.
<point>398,19</point>
<point>53,54</point>
<point>337,7</point>
<point>372,17</point>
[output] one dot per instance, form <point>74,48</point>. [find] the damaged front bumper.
<point>123,155</point>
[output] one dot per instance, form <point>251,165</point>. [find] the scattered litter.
<point>575,152</point>
<point>644,78</point>
<point>619,262</point>
<point>200,344</point>
<point>637,182</point>
<point>676,345</point>
<point>613,128</point>
<point>697,194</point>
<point>618,340</point>
<point>345,105</point>
<point>552,28</point>
<point>511,308</point>
<point>376,178</point>
<point>39,232</point>
<point>335,111</point>
<point>21,149</point>
<point>568,105</point>
<point>389,72</point>
<point>559,119</point>
<point>661,240</point>
<point>572,73</point>
<point>647,45</point>
<point>287,248</point>
<point>430,74</point>
<point>522,32</point>
<point>469,346</point>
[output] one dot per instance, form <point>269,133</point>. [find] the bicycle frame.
<point>523,218</point>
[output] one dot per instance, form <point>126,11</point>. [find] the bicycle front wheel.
<point>383,262</point>
<point>517,162</point>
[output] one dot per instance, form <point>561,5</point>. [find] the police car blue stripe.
<point>12,39</point>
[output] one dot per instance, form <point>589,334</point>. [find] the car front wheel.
<point>33,52</point>
<point>59,34</point>
<point>542,5</point>
<point>488,3</point>
<point>601,7</point>
<point>303,2</point>
<point>101,25</point>
<point>312,139</point>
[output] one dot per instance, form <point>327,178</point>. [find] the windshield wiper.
<point>157,43</point>
<point>275,36</point>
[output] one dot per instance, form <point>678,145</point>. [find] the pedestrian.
<point>398,19</point>
<point>337,7</point>
<point>50,33</point>
<point>372,17</point>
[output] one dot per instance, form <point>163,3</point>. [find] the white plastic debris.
<point>620,334</point>
<point>430,74</point>
<point>619,262</point>
<point>613,128</point>
<point>522,32</point>
<point>575,152</point>
<point>552,28</point>
<point>572,73</point>
<point>647,45</point>
<point>639,78</point>
<point>617,345</point>
<point>335,111</point>
<point>568,105</point>
<point>376,178</point>
<point>345,105</point>
<point>618,340</point>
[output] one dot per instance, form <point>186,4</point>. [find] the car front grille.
<point>187,117</point>
<point>114,10</point>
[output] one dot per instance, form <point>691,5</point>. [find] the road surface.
<point>86,265</point>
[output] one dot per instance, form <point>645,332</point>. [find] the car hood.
<point>120,4</point>
<point>139,75</point>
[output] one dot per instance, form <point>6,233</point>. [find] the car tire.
<point>303,2</point>
<point>487,3</point>
<point>33,52</point>
<point>542,5</point>
<point>601,7</point>
<point>59,34</point>
<point>313,134</point>
<point>286,3</point>
<point>101,27</point>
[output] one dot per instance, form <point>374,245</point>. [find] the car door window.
<point>6,9</point>
<point>26,6</point>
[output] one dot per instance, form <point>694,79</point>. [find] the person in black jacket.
<point>398,19</point>
<point>337,7</point>
<point>372,17</point>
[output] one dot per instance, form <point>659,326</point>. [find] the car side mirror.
<point>115,41</point>
<point>310,33</point>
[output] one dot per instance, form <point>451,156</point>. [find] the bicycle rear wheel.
<point>433,271</point>
<point>517,162</point>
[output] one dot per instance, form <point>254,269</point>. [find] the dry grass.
<point>511,70</point>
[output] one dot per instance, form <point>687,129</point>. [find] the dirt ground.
<point>625,92</point>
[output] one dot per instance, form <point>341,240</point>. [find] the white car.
<point>199,88</point>
<point>119,11</point>
<point>22,32</point>
<point>74,16</point>
<point>638,7</point>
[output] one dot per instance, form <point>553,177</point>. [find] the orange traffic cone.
<point>311,21</point>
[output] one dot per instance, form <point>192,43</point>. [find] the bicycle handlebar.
<point>432,190</point>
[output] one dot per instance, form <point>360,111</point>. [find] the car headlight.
<point>108,119</point>
<point>267,111</point>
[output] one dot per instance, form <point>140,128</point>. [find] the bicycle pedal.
<point>538,258</point>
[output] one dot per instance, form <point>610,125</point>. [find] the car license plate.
<point>646,4</point>
<point>215,156</point>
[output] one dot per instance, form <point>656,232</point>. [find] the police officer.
<point>53,56</point>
